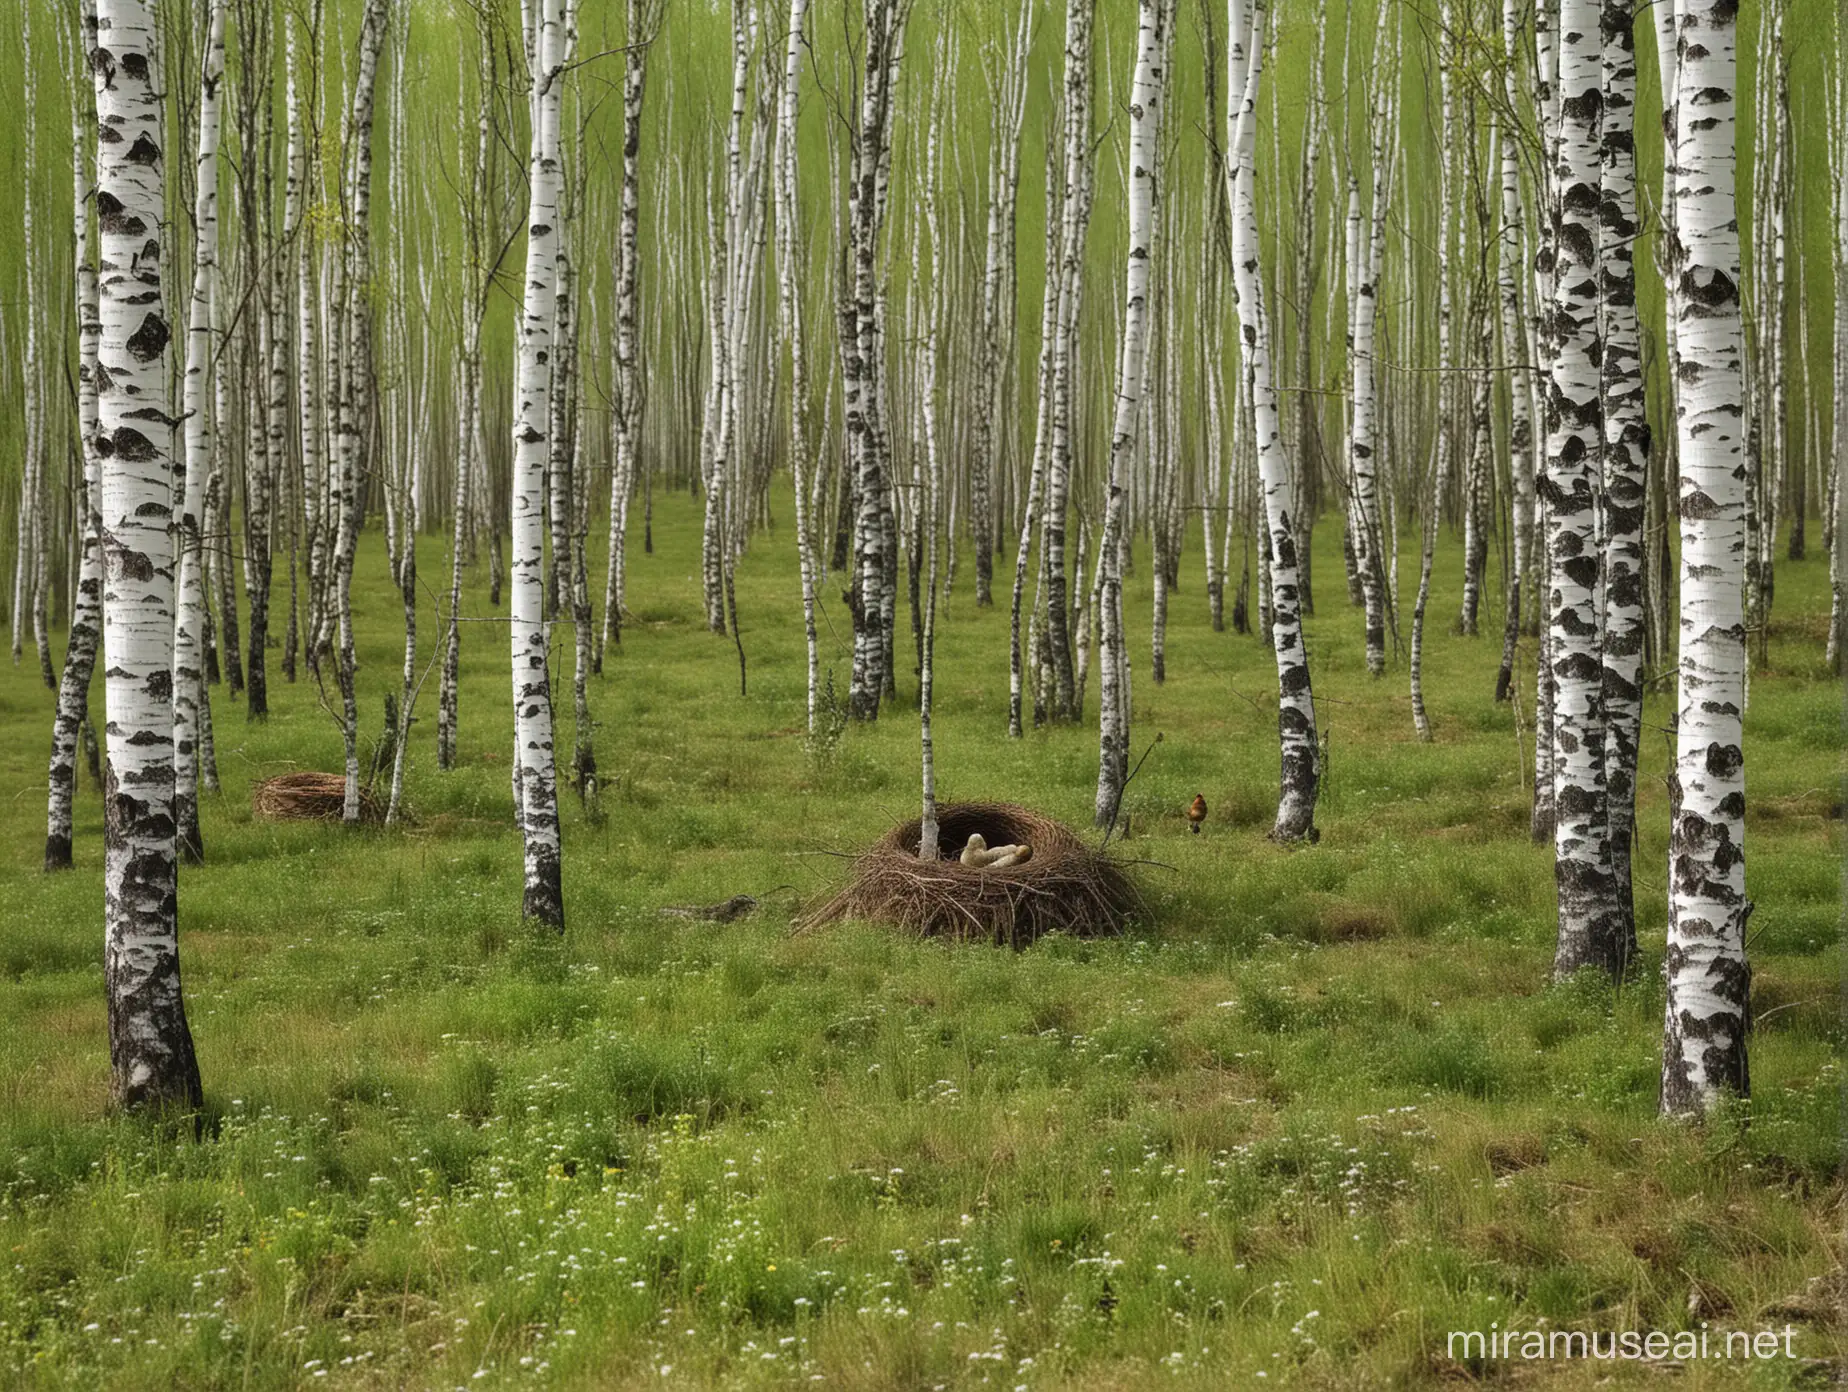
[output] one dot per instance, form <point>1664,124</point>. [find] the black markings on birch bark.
<point>1006,71</point>
<point>1300,755</point>
<point>86,613</point>
<point>1625,453</point>
<point>548,47</point>
<point>150,1046</point>
<point>1146,107</point>
<point>1078,189</point>
<point>1514,350</point>
<point>874,561</point>
<point>627,401</point>
<point>199,412</point>
<point>1708,1011</point>
<point>353,318</point>
<point>1588,928</point>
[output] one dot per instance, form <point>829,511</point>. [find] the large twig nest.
<point>1066,887</point>
<point>309,797</point>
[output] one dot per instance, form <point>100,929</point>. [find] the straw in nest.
<point>308,797</point>
<point>1066,887</point>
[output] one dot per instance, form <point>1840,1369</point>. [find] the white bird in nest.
<point>979,856</point>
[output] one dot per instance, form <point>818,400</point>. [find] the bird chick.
<point>1196,812</point>
<point>975,854</point>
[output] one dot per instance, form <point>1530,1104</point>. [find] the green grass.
<point>1315,1112</point>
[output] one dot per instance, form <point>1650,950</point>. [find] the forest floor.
<point>1315,1113</point>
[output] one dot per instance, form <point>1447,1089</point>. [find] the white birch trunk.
<point>197,408</point>
<point>1296,727</point>
<point>86,614</point>
<point>1145,112</point>
<point>1588,928</point>
<point>150,1047</point>
<point>1709,980</point>
<point>626,422</point>
<point>1514,349</point>
<point>1625,456</point>
<point>789,248</point>
<point>1075,218</point>
<point>532,698</point>
<point>355,327</point>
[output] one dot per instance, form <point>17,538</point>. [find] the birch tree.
<point>1366,240</point>
<point>627,400</point>
<point>150,1046</point>
<point>480,222</point>
<point>197,408</point>
<point>536,772</point>
<point>353,413</point>
<point>1514,349</point>
<point>1074,226</point>
<point>1300,776</point>
<point>1145,113</point>
<point>1589,930</point>
<point>995,328</point>
<point>1625,457</point>
<point>875,557</point>
<point>789,253</point>
<point>86,613</point>
<point>1709,978</point>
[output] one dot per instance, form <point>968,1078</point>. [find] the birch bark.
<point>1514,348</point>
<point>626,420</point>
<point>1588,927</point>
<point>197,409</point>
<point>1300,775</point>
<point>532,696</point>
<point>1709,979</point>
<point>86,614</point>
<point>354,416</point>
<point>150,1047</point>
<point>1145,113</point>
<point>1626,446</point>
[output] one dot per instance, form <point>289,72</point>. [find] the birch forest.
<point>923,693</point>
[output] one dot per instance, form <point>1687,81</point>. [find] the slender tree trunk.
<point>1364,511</point>
<point>1709,979</point>
<point>1589,928</point>
<point>532,696</point>
<point>86,614</point>
<point>1514,349</point>
<point>861,336</point>
<point>197,409</point>
<point>789,250</point>
<point>150,1046</point>
<point>1300,777</point>
<point>995,334</point>
<point>1626,446</point>
<point>1017,656</point>
<point>1075,217</point>
<point>354,388</point>
<point>1145,113</point>
<point>626,419</point>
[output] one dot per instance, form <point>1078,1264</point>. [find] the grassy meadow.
<point>1317,1110</point>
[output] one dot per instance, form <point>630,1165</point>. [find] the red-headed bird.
<point>1196,812</point>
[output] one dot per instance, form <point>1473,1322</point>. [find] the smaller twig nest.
<point>1066,887</point>
<point>309,797</point>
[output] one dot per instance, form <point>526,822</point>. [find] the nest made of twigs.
<point>1067,887</point>
<point>309,797</point>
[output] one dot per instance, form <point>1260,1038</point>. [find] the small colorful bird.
<point>1196,812</point>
